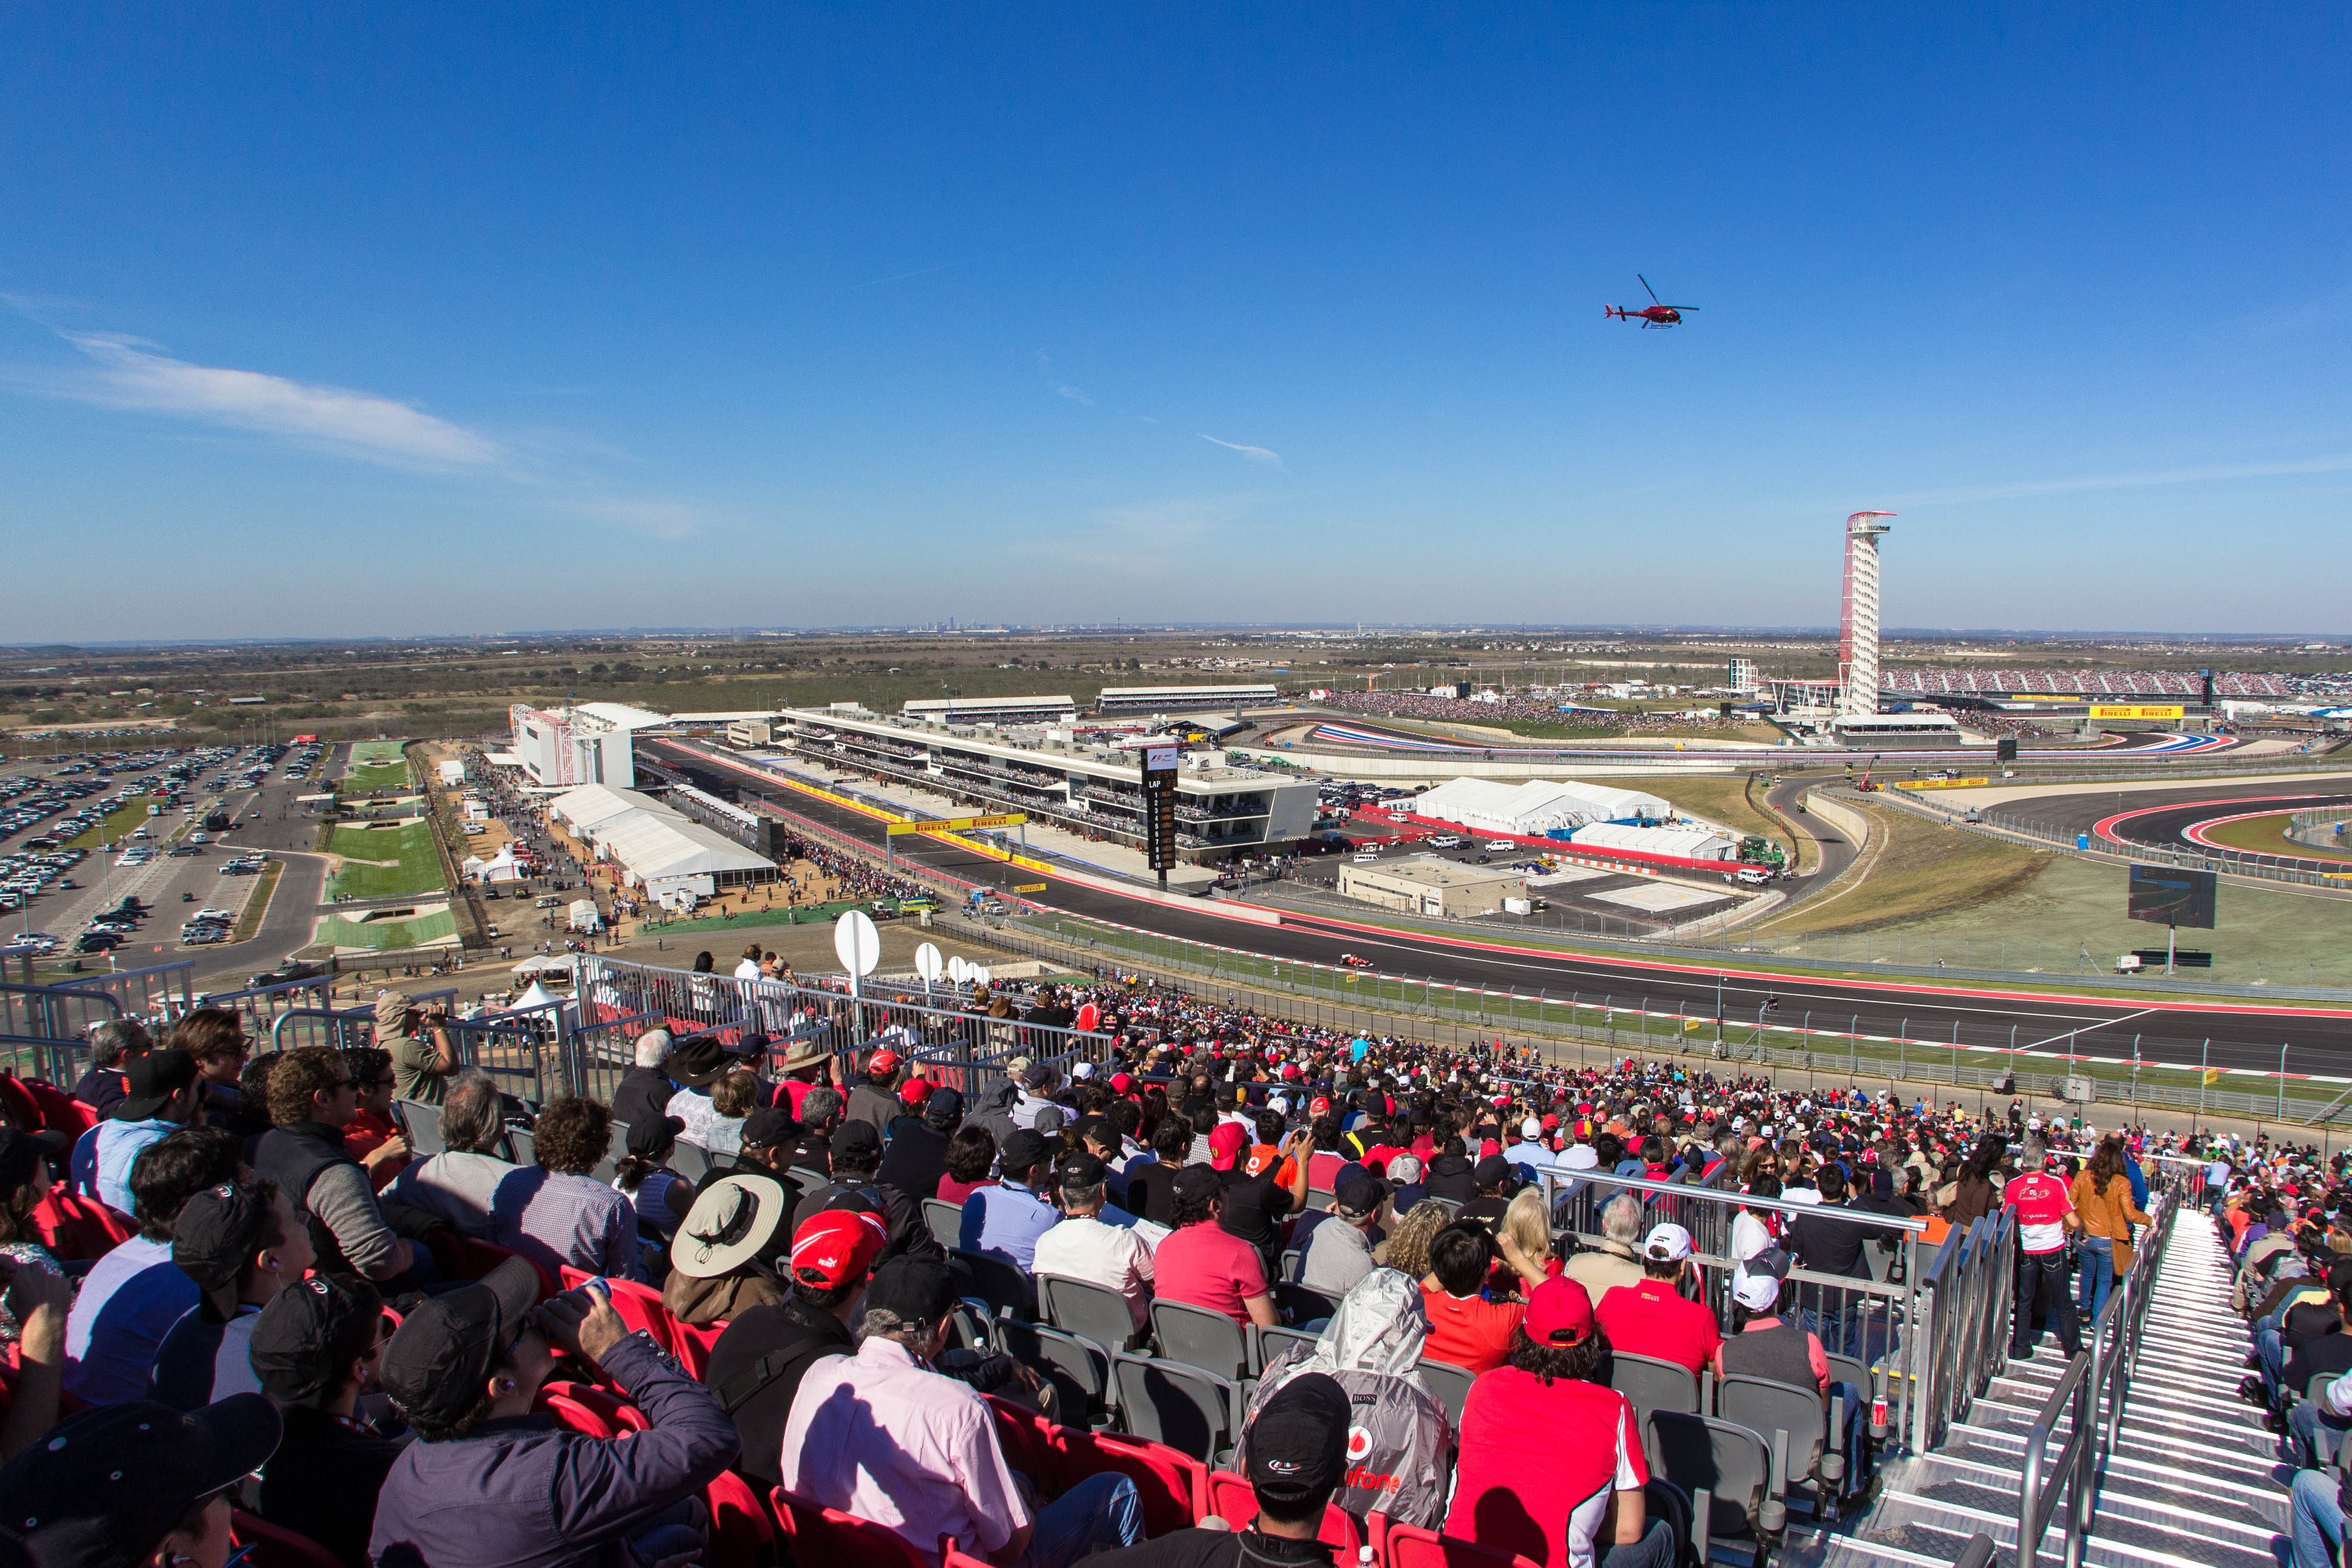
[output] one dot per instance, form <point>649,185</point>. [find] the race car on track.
<point>1353,961</point>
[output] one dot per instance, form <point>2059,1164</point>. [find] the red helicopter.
<point>1656,315</point>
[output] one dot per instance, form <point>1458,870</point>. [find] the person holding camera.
<point>421,1064</point>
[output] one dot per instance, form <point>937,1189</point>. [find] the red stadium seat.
<point>60,1112</point>
<point>1231,1498</point>
<point>695,1345</point>
<point>274,1546</point>
<point>463,1257</point>
<point>1173,1486</point>
<point>640,1306</point>
<point>741,1534</point>
<point>602,1403</point>
<point>18,1107</point>
<point>1410,1546</point>
<point>836,1540</point>
<point>74,1226</point>
<point>1028,1440</point>
<point>578,1417</point>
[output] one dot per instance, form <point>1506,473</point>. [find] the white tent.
<point>536,996</point>
<point>1690,843</point>
<point>543,963</point>
<point>1536,807</point>
<point>501,867</point>
<point>590,806</point>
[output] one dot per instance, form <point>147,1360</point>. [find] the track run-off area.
<point>2159,1030</point>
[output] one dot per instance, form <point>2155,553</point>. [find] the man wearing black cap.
<point>1084,1248</point>
<point>1005,1220</point>
<point>490,1484</point>
<point>917,1156</point>
<point>1202,1265</point>
<point>242,1243</point>
<point>1339,1250</point>
<point>1297,1457</point>
<point>881,1435</point>
<point>857,1151</point>
<point>1492,1175</point>
<point>163,1092</point>
<point>769,1139</point>
<point>133,1484</point>
<point>316,1348</point>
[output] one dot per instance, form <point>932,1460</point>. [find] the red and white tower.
<point>1858,617</point>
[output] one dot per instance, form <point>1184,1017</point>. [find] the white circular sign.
<point>977,973</point>
<point>958,969</point>
<point>928,962</point>
<point>856,943</point>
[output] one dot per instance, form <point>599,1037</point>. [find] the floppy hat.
<point>732,1223</point>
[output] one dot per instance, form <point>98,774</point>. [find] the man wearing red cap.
<point>757,1365</point>
<point>875,1097</point>
<point>1551,1465</point>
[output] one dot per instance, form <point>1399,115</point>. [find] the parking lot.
<point>190,865</point>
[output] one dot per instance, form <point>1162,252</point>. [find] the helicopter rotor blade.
<point>1653,293</point>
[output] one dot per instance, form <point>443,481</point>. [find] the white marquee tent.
<point>1536,807</point>
<point>657,849</point>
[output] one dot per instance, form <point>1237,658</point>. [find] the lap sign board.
<point>2171,896</point>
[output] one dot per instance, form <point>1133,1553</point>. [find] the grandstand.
<point>2122,684</point>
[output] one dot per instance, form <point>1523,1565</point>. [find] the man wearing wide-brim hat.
<point>722,1261</point>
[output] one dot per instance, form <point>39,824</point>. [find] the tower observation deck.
<point>1858,617</point>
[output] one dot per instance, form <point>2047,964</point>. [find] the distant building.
<point>1426,885</point>
<point>1745,681</point>
<point>1174,699</point>
<point>992,709</point>
<point>1898,730</point>
<point>562,747</point>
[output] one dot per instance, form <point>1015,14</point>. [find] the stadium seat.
<point>519,1146</point>
<point>741,1534</point>
<point>1318,1200</point>
<point>1077,1366</point>
<point>274,1546</point>
<point>1092,1311</point>
<point>59,1111</point>
<point>1850,1369</point>
<point>1728,1473</point>
<point>74,1226</point>
<point>575,1416</point>
<point>995,1280</point>
<point>1793,1422</point>
<point>1198,1337</point>
<point>616,1149</point>
<point>602,1403</point>
<point>1231,1498</point>
<point>836,1540</point>
<point>1025,1436</point>
<point>464,1257</point>
<point>1192,1411</point>
<point>1410,1546</point>
<point>1301,1305</point>
<point>695,1345</point>
<point>1449,1383</point>
<point>690,1161</point>
<point>1649,1384</point>
<point>945,1220</point>
<point>1266,1344</point>
<point>640,1306</point>
<point>1173,1486</point>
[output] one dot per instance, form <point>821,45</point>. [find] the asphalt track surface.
<point>2169,826</point>
<point>2249,1037</point>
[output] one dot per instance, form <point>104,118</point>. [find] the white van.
<point>1501,846</point>
<point>1446,841</point>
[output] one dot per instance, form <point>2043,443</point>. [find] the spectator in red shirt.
<point>1465,1328</point>
<point>1653,1318</point>
<point>2045,1212</point>
<point>1204,1265</point>
<point>1551,1465</point>
<point>374,1138</point>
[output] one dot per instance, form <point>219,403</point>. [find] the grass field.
<point>373,780</point>
<point>2267,836</point>
<point>386,935</point>
<point>1912,868</point>
<point>1760,733</point>
<point>415,868</point>
<point>369,753</point>
<point>121,820</point>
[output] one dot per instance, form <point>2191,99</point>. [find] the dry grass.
<point>1718,798</point>
<point>1914,869</point>
<point>2267,836</point>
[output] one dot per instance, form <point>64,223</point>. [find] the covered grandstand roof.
<point>2077,683</point>
<point>1534,807</point>
<point>652,843</point>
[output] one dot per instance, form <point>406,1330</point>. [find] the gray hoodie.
<point>992,1107</point>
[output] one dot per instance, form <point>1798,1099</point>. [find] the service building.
<point>1425,885</point>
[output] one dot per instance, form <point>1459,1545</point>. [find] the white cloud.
<point>655,518</point>
<point>1254,454</point>
<point>128,374</point>
<point>1075,395</point>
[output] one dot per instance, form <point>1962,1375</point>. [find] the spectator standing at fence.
<point>312,1097</point>
<point>1551,1465</point>
<point>460,1184</point>
<point>1825,1241</point>
<point>2045,1214</point>
<point>163,1094</point>
<point>133,1295</point>
<point>422,1064</point>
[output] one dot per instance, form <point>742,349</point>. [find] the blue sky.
<point>464,319</point>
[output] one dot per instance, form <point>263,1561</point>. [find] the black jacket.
<point>916,1158</point>
<point>642,1095</point>
<point>1217,1549</point>
<point>323,1479</point>
<point>756,1368</point>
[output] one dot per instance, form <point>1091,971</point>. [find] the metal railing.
<point>2088,1400</point>
<point>1971,1282</point>
<point>1887,1322</point>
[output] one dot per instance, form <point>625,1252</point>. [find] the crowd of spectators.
<point>1550,710</point>
<point>291,1315</point>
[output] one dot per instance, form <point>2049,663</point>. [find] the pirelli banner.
<point>2157,712</point>
<point>1943,784</point>
<point>954,823</point>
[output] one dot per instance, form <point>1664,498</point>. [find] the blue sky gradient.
<point>450,319</point>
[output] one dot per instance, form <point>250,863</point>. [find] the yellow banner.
<point>1030,888</point>
<point>2127,710</point>
<point>1943,784</point>
<point>954,823</point>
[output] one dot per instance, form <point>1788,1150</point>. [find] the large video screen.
<point>2171,897</point>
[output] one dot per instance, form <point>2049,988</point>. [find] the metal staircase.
<point>2187,1478</point>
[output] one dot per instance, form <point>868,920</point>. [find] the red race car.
<point>1353,961</point>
